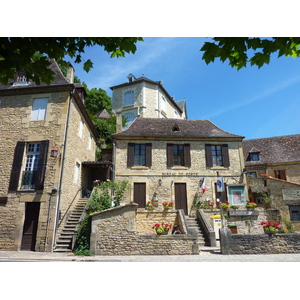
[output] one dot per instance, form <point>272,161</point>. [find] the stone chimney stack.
<point>70,74</point>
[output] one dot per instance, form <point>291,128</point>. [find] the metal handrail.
<point>69,207</point>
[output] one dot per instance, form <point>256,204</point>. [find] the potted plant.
<point>250,205</point>
<point>225,205</point>
<point>235,207</point>
<point>149,206</point>
<point>167,205</point>
<point>208,204</point>
<point>162,228</point>
<point>270,227</point>
<point>96,182</point>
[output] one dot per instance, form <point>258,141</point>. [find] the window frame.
<point>291,215</point>
<point>186,155</point>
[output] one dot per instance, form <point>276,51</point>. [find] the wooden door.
<point>180,197</point>
<point>139,194</point>
<point>32,212</point>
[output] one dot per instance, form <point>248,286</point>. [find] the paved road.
<point>207,254</point>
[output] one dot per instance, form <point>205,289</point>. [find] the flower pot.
<point>166,207</point>
<point>250,208</point>
<point>162,233</point>
<point>150,208</point>
<point>267,231</point>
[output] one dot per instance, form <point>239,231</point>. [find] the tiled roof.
<point>278,149</point>
<point>174,128</point>
<point>59,80</point>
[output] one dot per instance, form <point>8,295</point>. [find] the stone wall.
<point>116,231</point>
<point>258,243</point>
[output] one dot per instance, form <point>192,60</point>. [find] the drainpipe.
<point>114,162</point>
<point>62,171</point>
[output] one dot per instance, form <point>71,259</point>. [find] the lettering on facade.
<point>291,194</point>
<point>180,174</point>
<point>242,212</point>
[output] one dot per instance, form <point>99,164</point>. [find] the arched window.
<point>130,117</point>
<point>129,98</point>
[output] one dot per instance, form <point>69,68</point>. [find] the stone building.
<point>273,167</point>
<point>167,160</point>
<point>145,98</point>
<point>47,141</point>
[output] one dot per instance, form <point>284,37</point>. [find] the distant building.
<point>273,167</point>
<point>145,98</point>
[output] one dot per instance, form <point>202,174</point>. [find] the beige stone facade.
<point>23,205</point>
<point>161,182</point>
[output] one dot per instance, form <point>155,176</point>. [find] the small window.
<point>217,155</point>
<point>251,174</point>
<point>139,155</point>
<point>129,98</point>
<point>178,155</point>
<point>163,103</point>
<point>20,78</point>
<point>280,174</point>
<point>81,124</point>
<point>39,109</point>
<point>90,142</point>
<point>76,173</point>
<point>295,212</point>
<point>254,156</point>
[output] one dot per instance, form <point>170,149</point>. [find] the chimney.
<point>119,122</point>
<point>70,74</point>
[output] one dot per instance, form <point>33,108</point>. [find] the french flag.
<point>203,186</point>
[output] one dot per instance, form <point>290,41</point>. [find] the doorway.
<point>139,194</point>
<point>180,197</point>
<point>30,227</point>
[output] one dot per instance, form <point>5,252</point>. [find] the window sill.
<point>26,190</point>
<point>218,168</point>
<point>179,168</point>
<point>139,168</point>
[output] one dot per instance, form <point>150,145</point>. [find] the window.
<point>90,143</point>
<point>139,155</point>
<point>163,103</point>
<point>81,124</point>
<point>251,174</point>
<point>254,156</point>
<point>175,114</point>
<point>295,212</point>
<point>129,98</point>
<point>280,174</point>
<point>39,109</point>
<point>33,166</point>
<point>130,118</point>
<point>76,173</point>
<point>29,173</point>
<point>217,155</point>
<point>178,155</point>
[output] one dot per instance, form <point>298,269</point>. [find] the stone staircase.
<point>64,241</point>
<point>193,223</point>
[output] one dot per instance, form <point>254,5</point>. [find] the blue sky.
<point>251,102</point>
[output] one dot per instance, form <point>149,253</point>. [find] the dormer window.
<point>20,78</point>
<point>254,156</point>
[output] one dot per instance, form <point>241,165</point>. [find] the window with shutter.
<point>139,155</point>
<point>178,155</point>
<point>217,155</point>
<point>280,174</point>
<point>39,109</point>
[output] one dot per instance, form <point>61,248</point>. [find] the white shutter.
<point>39,109</point>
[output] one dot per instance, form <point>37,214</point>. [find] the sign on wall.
<point>291,194</point>
<point>237,195</point>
